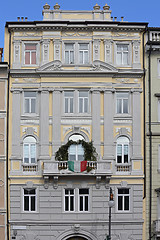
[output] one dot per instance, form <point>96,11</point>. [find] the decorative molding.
<point>124,184</point>
<point>122,80</point>
<point>98,180</point>
<point>76,228</point>
<point>77,34</point>
<point>30,79</point>
<point>46,182</point>
<point>55,182</point>
<point>103,66</point>
<point>51,66</point>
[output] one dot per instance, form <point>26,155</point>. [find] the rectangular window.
<point>122,103</point>
<point>69,200</point>
<point>83,101</point>
<point>30,54</point>
<point>69,53</point>
<point>76,152</point>
<point>122,54</point>
<point>29,196</point>
<point>123,199</point>
<point>83,53</point>
<point>68,98</point>
<point>30,102</point>
<point>29,153</point>
<point>83,200</point>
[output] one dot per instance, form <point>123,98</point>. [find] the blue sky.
<point>132,10</point>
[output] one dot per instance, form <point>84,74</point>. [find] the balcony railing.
<point>30,168</point>
<point>155,36</point>
<point>123,167</point>
<point>61,167</point>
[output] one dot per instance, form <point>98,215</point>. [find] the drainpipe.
<point>150,142</point>
<point>7,140</point>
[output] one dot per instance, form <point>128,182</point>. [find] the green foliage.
<point>90,153</point>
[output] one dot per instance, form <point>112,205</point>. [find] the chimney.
<point>1,53</point>
<point>122,19</point>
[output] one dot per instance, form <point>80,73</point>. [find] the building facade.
<point>153,133</point>
<point>76,126</point>
<point>3,130</point>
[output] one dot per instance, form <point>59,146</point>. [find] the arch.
<point>85,235</point>
<point>84,135</point>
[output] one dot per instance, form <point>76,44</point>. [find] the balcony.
<point>157,228</point>
<point>123,168</point>
<point>59,168</point>
<point>154,36</point>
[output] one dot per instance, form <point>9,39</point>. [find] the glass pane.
<point>33,203</point>
<point>119,159</point>
<point>30,46</point>
<point>71,203</point>
<point>27,57</point>
<point>32,191</point>
<point>125,105</point>
<point>71,57</point>
<point>72,191</point>
<point>81,105</point>
<point>33,153</point>
<point>71,105</point>
<point>86,203</point>
<point>72,157</point>
<point>26,191</point>
<point>80,57</point>
<point>72,149</point>
<point>120,203</point>
<point>126,202</point>
<point>125,153</point>
<point>83,46</point>
<point>66,191</point>
<point>119,105</point>
<point>83,191</point>
<point>26,203</point>
<point>125,158</point>
<point>30,94</point>
<point>83,94</point>
<point>33,58</point>
<point>125,58</point>
<point>119,58</point>
<point>26,105</point>
<point>125,47</point>
<point>33,105</point>
<point>26,153</point>
<point>66,57</point>
<point>85,57</point>
<point>119,150</point>
<point>69,46</point>
<point>86,105</point>
<point>81,203</point>
<point>68,94</point>
<point>66,204</point>
<point>66,105</point>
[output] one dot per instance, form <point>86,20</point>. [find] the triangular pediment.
<point>103,66</point>
<point>50,66</point>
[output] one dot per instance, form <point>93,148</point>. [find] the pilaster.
<point>45,51</point>
<point>96,49</point>
<point>16,47</point>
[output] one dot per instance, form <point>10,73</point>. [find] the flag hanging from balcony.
<point>77,166</point>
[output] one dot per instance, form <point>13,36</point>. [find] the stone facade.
<point>3,129</point>
<point>76,74</point>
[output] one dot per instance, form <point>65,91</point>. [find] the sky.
<point>131,10</point>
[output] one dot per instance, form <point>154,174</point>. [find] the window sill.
<point>76,115</point>
<point>29,115</point>
<point>123,115</point>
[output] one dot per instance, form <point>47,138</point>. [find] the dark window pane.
<point>26,191</point>
<point>71,203</point>
<point>119,159</point>
<point>33,205</point>
<point>71,191</point>
<point>126,158</point>
<point>26,203</point>
<point>126,203</point>
<point>81,203</point>
<point>66,204</point>
<point>120,203</point>
<point>66,191</point>
<point>86,203</point>
<point>32,191</point>
<point>126,191</point>
<point>83,191</point>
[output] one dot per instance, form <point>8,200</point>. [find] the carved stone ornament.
<point>76,228</point>
<point>51,66</point>
<point>76,34</point>
<point>55,182</point>
<point>102,66</point>
<point>46,182</point>
<point>98,180</point>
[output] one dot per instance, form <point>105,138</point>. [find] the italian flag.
<point>77,166</point>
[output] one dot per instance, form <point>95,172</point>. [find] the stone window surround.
<point>23,105</point>
<point>76,51</point>
<point>124,185</point>
<point>129,103</point>
<point>123,143</point>
<point>29,185</point>
<point>129,43</point>
<point>37,54</point>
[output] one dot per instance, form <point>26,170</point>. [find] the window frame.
<point>29,153</point>
<point>37,43</point>
<point>122,104</point>
<point>30,195</point>
<point>123,198</point>
<point>66,97</point>
<point>76,146</point>
<point>72,63</point>
<point>83,51</point>
<point>30,103</point>
<point>122,143</point>
<point>69,197</point>
<point>128,43</point>
<point>83,102</point>
<point>83,197</point>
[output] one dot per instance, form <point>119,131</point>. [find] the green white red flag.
<point>77,166</point>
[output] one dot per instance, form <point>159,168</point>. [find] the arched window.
<point>29,150</point>
<point>76,151</point>
<point>122,150</point>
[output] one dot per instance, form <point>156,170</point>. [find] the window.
<point>69,53</point>
<point>83,200</point>
<point>76,152</point>
<point>30,102</point>
<point>68,98</point>
<point>83,53</point>
<point>122,150</point>
<point>123,199</point>
<point>29,196</point>
<point>29,150</point>
<point>122,54</point>
<point>30,54</point>
<point>69,200</point>
<point>83,102</point>
<point>122,103</point>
